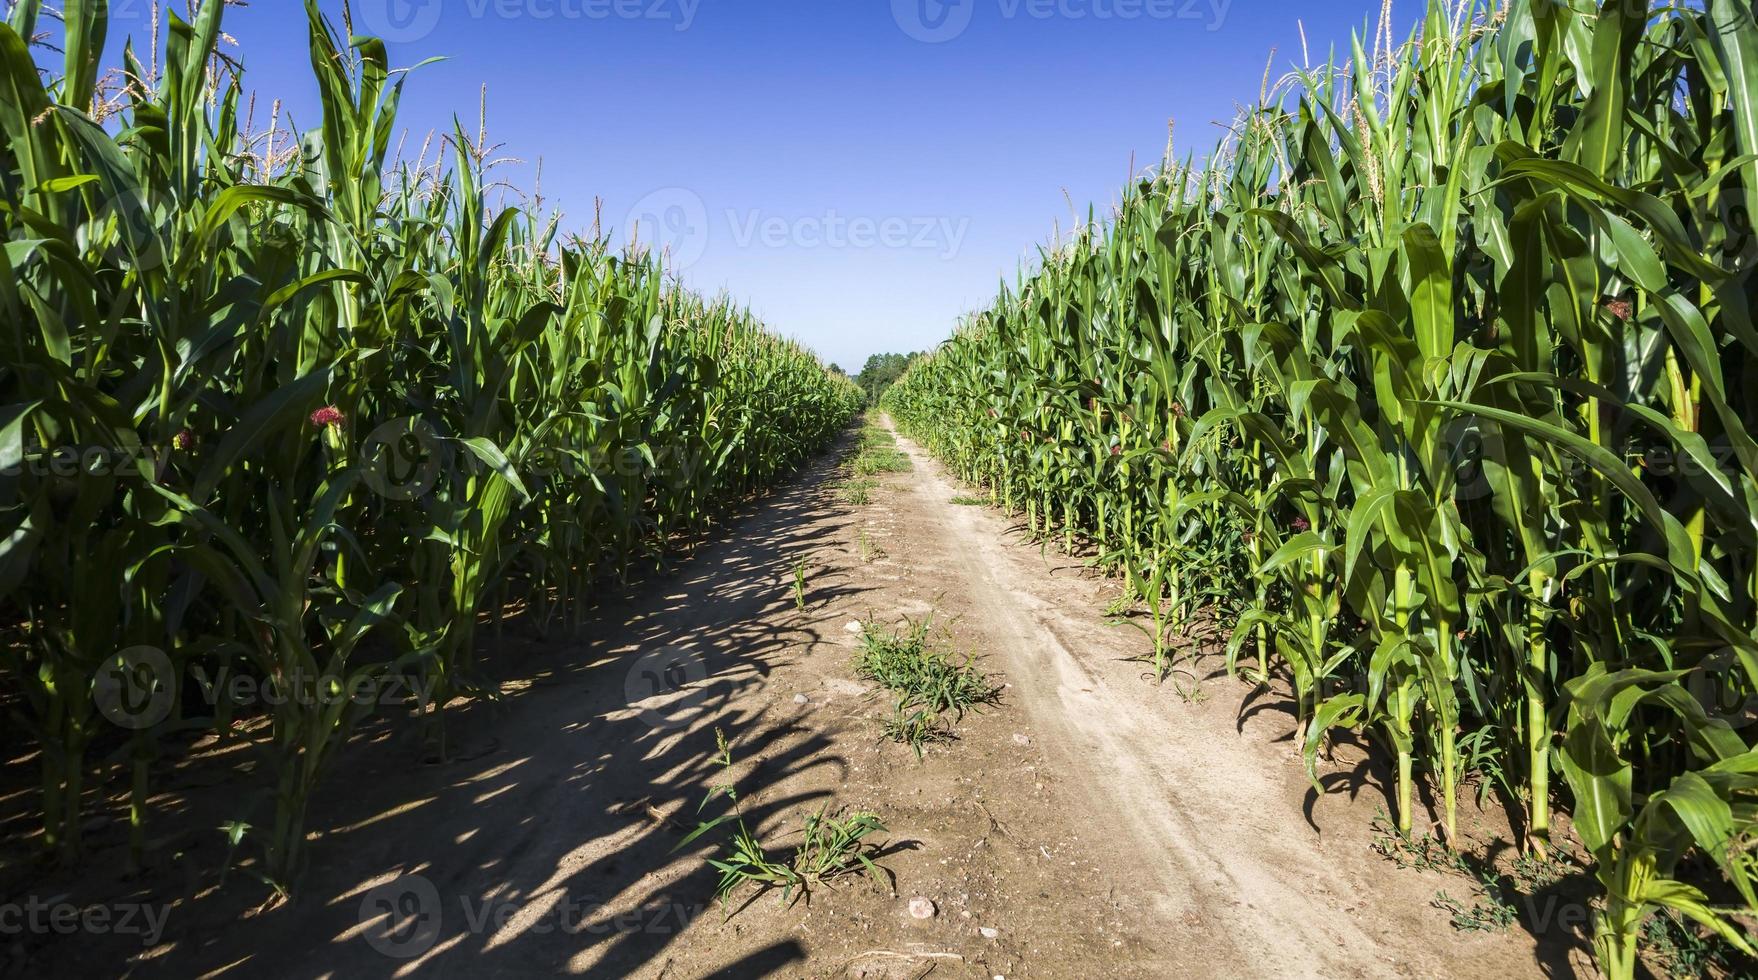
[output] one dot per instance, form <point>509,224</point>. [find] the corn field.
<point>288,404</point>
<point>1438,373</point>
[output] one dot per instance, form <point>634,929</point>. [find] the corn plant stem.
<point>1537,715</point>
<point>1404,707</point>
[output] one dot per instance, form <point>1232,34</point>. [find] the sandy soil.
<point>1091,825</point>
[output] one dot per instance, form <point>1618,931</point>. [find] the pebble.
<point>801,699</point>
<point>921,908</point>
<point>988,932</point>
<point>854,626</point>
<point>1022,739</point>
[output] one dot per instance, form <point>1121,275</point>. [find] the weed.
<point>1494,914</point>
<point>1423,853</point>
<point>874,461</point>
<point>878,453</point>
<point>869,549</point>
<point>927,683</point>
<point>874,435</point>
<point>800,566</point>
<point>1685,952</point>
<point>831,847</point>
<point>857,492</point>
<point>915,726</point>
<point>1494,906</point>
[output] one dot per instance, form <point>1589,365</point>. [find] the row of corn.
<point>290,407</point>
<point>1442,371</point>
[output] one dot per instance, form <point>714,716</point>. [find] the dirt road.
<point>1201,807</point>
<point>1091,825</point>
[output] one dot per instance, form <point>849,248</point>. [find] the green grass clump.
<point>874,461</point>
<point>870,550</point>
<point>876,436</point>
<point>875,454</point>
<point>801,566</point>
<point>1687,951</point>
<point>831,847</point>
<point>857,491</point>
<point>878,452</point>
<point>928,684</point>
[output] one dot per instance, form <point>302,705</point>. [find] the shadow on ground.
<point>546,843</point>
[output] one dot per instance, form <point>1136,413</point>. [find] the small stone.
<point>801,699</point>
<point>921,908</point>
<point>853,626</point>
<point>1022,739</point>
<point>989,932</point>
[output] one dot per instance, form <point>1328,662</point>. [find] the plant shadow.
<point>547,841</point>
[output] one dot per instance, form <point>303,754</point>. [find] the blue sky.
<point>860,172</point>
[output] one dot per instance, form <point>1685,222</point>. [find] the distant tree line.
<point>881,372</point>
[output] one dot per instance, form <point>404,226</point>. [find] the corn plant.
<point>287,404</point>
<point>1449,342</point>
